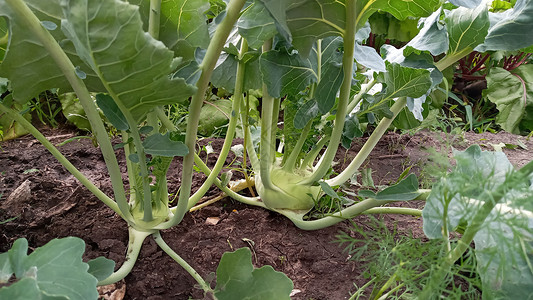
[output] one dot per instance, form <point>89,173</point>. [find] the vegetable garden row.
<point>297,80</point>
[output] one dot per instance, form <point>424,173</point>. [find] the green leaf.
<point>401,10</point>
<point>306,113</point>
<point>310,20</point>
<point>162,145</point>
<point>26,288</point>
<point>123,55</point>
<point>237,279</point>
<point>332,74</point>
<point>112,112</point>
<point>213,115</point>
<point>466,3</point>
<point>256,25</point>
<point>511,29</point>
<point>476,173</point>
<point>224,74</point>
<point>54,271</point>
<point>29,77</point>
<point>190,72</point>
<point>432,36</point>
<point>405,190</point>
<point>351,130</point>
<point>400,81</point>
<point>328,190</point>
<point>467,28</point>
<point>3,38</point>
<point>5,268</point>
<point>101,267</point>
<point>512,92</point>
<point>286,73</point>
<point>503,255</point>
<point>184,26</point>
<point>368,57</point>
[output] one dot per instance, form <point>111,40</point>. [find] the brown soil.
<point>56,205</point>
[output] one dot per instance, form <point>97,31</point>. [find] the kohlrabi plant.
<point>120,59</point>
<point>315,69</point>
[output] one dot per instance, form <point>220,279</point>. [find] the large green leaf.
<point>28,65</point>
<point>432,36</point>
<point>476,171</point>
<point>511,29</point>
<point>237,279</point>
<point>305,21</point>
<point>133,65</point>
<point>504,242</point>
<point>184,26</point>
<point>331,73</point>
<point>467,28</point>
<point>256,25</point>
<point>512,92</point>
<point>55,270</point>
<point>400,81</point>
<point>224,75</point>
<point>163,145</point>
<point>286,73</point>
<point>310,20</point>
<point>405,190</point>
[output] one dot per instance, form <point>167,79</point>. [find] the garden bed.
<point>49,203</point>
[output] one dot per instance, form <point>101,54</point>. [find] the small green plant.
<point>397,266</point>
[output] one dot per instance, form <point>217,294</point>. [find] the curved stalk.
<point>359,96</point>
<point>347,62</point>
<point>67,68</point>
<point>135,242</point>
<point>236,105</point>
<point>161,243</point>
<point>208,64</point>
<point>61,158</point>
<point>369,205</point>
<point>248,143</point>
<point>293,157</point>
<point>368,146</point>
<point>311,156</point>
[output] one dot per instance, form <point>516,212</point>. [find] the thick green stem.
<point>360,95</point>
<point>451,58</point>
<point>293,157</point>
<point>248,143</point>
<point>155,18</point>
<point>335,218</point>
<point>347,62</point>
<point>208,64</point>
<point>131,170</point>
<point>135,242</point>
<point>312,155</point>
<point>55,51</point>
<point>367,206</point>
<point>237,99</point>
<point>161,243</point>
<point>62,159</point>
<point>267,146</point>
<point>369,145</point>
